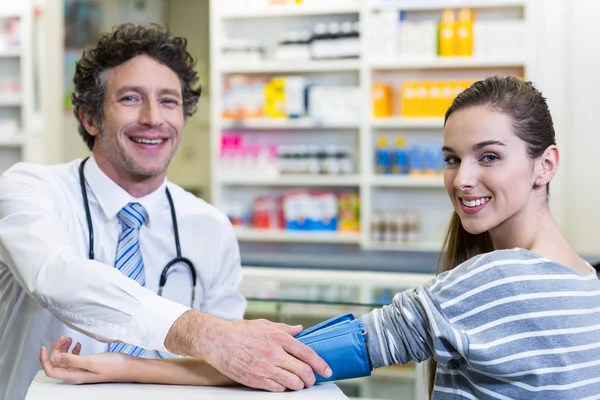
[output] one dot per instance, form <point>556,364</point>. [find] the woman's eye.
<point>451,160</point>
<point>490,158</point>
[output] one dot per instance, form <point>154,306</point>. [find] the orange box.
<point>382,98</point>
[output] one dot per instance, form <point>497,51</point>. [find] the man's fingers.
<point>304,353</point>
<point>272,386</point>
<point>288,379</point>
<point>292,330</point>
<point>299,369</point>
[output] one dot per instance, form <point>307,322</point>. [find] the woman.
<point>517,312</point>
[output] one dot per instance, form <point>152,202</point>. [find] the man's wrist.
<point>193,334</point>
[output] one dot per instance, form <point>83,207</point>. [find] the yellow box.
<point>408,95</point>
<point>421,99</point>
<point>275,98</point>
<point>382,98</point>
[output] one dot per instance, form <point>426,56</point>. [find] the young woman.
<point>516,314</point>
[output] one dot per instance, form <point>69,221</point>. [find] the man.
<point>84,243</point>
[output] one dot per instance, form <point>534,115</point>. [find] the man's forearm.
<point>177,371</point>
<point>193,333</point>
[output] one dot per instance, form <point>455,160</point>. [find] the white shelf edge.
<point>407,123</point>
<point>11,101</point>
<point>10,53</point>
<point>293,180</point>
<point>405,246</point>
<point>292,67</point>
<point>412,5</point>
<point>289,11</point>
<point>14,143</point>
<point>448,63</point>
<point>404,181</point>
<point>273,123</point>
<point>283,236</point>
<point>407,373</point>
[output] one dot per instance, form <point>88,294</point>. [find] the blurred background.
<point>319,128</point>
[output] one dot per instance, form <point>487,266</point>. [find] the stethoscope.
<point>165,271</point>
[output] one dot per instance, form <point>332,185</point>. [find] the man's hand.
<point>258,353</point>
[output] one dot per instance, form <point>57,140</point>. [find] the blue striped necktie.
<point>129,259</point>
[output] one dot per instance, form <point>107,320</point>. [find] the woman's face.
<point>489,175</point>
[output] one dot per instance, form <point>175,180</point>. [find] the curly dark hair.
<point>125,42</point>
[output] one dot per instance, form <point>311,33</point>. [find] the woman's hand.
<point>71,367</point>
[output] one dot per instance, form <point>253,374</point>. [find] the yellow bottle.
<point>464,33</point>
<point>447,34</point>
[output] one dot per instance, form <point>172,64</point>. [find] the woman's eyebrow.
<point>477,146</point>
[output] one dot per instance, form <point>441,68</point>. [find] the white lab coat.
<point>47,281</point>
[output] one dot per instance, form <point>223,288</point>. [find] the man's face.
<point>143,119</point>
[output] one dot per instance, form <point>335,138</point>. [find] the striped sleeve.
<point>527,326</point>
<point>415,328</point>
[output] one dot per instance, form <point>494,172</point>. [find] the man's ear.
<point>89,122</point>
<point>547,165</point>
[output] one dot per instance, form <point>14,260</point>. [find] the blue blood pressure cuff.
<point>341,342</point>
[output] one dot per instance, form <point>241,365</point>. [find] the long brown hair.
<point>531,122</point>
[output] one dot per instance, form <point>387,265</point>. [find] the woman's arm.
<point>118,367</point>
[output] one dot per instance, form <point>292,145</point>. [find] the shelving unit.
<point>448,63</point>
<point>415,5</point>
<point>288,67</point>
<point>284,124</point>
<point>17,114</point>
<point>293,11</point>
<point>427,195</point>
<point>294,181</point>
<point>282,236</point>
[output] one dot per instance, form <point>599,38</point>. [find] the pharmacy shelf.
<point>285,124</point>
<point>408,123</point>
<point>406,373</point>
<point>10,101</point>
<point>413,5</point>
<point>291,11</point>
<point>10,53</point>
<point>407,182</point>
<point>10,143</point>
<point>404,246</point>
<point>283,236</point>
<point>299,310</point>
<point>448,63</point>
<point>293,181</point>
<point>268,67</point>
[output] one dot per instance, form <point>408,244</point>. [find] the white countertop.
<point>44,388</point>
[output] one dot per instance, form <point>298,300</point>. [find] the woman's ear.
<point>547,165</point>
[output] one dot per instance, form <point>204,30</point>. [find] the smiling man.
<point>83,244</point>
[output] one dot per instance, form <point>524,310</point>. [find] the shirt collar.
<point>112,197</point>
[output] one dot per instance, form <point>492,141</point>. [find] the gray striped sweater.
<point>503,325</point>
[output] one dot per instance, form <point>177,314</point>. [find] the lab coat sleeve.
<point>224,298</point>
<point>88,296</point>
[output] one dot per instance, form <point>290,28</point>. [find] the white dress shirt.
<point>47,280</point>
